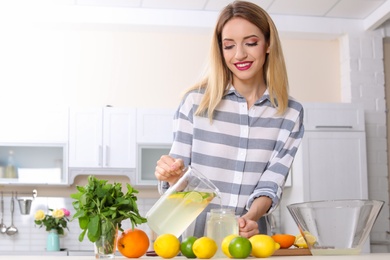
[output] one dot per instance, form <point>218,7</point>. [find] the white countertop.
<point>384,256</point>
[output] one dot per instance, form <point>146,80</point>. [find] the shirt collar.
<point>265,96</point>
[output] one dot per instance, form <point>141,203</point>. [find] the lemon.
<point>204,248</point>
<point>263,246</point>
<point>225,244</point>
<point>167,246</point>
<point>301,242</point>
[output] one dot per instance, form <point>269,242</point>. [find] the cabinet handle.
<point>107,155</point>
<point>335,126</point>
<point>100,155</point>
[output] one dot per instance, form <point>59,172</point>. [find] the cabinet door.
<point>155,126</point>
<point>335,165</point>
<point>327,166</point>
<point>119,149</point>
<point>34,125</point>
<point>85,137</point>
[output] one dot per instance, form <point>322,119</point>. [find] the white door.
<point>119,141</point>
<point>85,137</point>
<point>335,166</point>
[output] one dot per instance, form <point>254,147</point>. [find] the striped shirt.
<point>246,153</point>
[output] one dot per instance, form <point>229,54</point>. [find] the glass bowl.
<point>335,227</point>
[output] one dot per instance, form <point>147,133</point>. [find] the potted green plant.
<point>100,209</point>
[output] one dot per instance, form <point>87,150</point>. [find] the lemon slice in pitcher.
<point>193,196</point>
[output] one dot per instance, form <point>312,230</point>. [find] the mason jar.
<point>221,223</point>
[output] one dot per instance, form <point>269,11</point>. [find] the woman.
<point>238,126</point>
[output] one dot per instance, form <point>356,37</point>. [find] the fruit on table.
<point>263,246</point>
<point>133,243</point>
<point>284,240</point>
<point>166,246</point>
<point>186,247</point>
<point>240,247</point>
<point>301,242</point>
<point>225,244</point>
<point>204,248</point>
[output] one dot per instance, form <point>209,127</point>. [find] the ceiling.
<point>350,9</point>
<point>324,17</point>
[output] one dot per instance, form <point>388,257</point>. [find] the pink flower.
<point>66,212</point>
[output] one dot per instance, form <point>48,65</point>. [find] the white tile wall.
<point>31,238</point>
<point>363,82</point>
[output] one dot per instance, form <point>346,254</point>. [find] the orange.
<point>133,243</point>
<point>284,240</point>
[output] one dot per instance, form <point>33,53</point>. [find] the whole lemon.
<point>204,248</point>
<point>240,247</point>
<point>263,246</point>
<point>225,244</point>
<point>167,246</point>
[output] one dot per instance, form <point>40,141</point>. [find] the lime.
<point>225,244</point>
<point>263,245</point>
<point>204,248</point>
<point>240,247</point>
<point>186,247</point>
<point>193,196</point>
<point>167,246</point>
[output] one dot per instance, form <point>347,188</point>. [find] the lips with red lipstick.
<point>243,65</point>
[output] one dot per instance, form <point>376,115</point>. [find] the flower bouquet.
<point>57,220</point>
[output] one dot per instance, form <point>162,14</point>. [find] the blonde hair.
<point>218,77</point>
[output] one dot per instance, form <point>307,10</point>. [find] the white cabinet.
<point>34,164</point>
<point>154,126</point>
<point>154,139</point>
<point>34,125</point>
<point>102,138</point>
<point>331,161</point>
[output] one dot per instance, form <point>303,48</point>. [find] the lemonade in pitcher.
<point>181,204</point>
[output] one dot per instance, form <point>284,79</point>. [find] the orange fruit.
<point>284,240</point>
<point>133,243</point>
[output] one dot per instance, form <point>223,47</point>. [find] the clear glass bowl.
<point>339,227</point>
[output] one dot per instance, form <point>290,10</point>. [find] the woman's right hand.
<point>169,169</point>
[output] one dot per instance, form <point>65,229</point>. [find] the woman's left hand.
<point>247,227</point>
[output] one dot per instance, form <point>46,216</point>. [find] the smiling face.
<point>244,50</point>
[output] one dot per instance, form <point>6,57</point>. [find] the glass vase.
<point>53,241</point>
<point>105,246</point>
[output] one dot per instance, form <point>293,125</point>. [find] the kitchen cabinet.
<point>34,125</point>
<point>155,126</point>
<point>102,141</point>
<point>154,139</point>
<point>34,164</point>
<point>331,162</point>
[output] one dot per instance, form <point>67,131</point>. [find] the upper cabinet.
<point>102,137</point>
<point>102,141</point>
<point>154,139</point>
<point>154,126</point>
<point>34,125</point>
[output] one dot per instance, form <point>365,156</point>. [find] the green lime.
<point>193,196</point>
<point>240,247</point>
<point>186,247</point>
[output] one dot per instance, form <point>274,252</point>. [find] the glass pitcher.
<point>179,206</point>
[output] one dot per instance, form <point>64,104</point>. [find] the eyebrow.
<point>246,37</point>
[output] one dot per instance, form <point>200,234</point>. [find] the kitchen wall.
<point>67,64</point>
<point>30,238</point>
